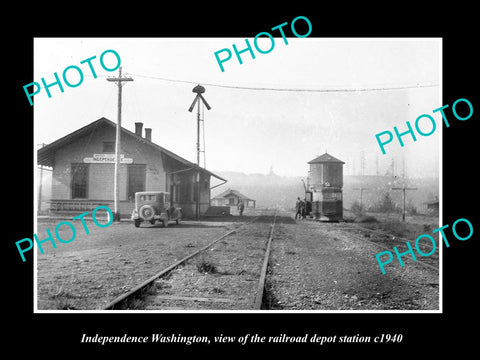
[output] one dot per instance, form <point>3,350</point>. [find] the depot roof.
<point>46,155</point>
<point>233,192</point>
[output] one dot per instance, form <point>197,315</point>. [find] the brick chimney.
<point>138,128</point>
<point>148,134</point>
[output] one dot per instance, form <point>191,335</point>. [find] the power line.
<point>385,88</point>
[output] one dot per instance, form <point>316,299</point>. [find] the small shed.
<point>325,187</point>
<point>431,207</point>
<point>232,197</point>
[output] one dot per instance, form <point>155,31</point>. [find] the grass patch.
<point>399,228</point>
<point>366,219</point>
<point>269,300</point>
<point>63,300</point>
<point>204,266</point>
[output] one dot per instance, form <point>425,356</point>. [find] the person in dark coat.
<point>241,206</point>
<point>304,209</point>
<point>299,207</point>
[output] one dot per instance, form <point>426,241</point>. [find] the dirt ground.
<point>225,277</point>
<point>94,269</point>
<point>320,266</point>
<point>313,266</point>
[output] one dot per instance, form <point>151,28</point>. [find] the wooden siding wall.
<point>100,175</point>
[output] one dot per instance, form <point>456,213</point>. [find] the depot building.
<point>83,165</point>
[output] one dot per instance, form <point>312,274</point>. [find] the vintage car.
<point>154,205</point>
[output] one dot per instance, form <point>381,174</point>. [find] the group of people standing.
<point>300,208</point>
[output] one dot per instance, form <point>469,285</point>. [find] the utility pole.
<point>361,196</point>
<point>198,133</point>
<point>404,190</point>
<point>41,184</point>
<point>197,185</point>
<point>362,163</point>
<point>116,201</point>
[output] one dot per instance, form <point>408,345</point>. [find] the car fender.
<point>178,213</point>
<point>164,216</point>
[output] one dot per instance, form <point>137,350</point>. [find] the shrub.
<point>366,219</point>
<point>204,266</point>
<point>356,208</point>
<point>410,208</point>
<point>385,205</point>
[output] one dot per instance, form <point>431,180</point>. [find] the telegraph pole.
<point>362,163</point>
<point>404,190</point>
<point>198,134</point>
<point>41,184</point>
<point>361,196</point>
<point>197,204</point>
<point>199,90</point>
<point>116,201</point>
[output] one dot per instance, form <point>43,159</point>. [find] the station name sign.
<point>106,159</point>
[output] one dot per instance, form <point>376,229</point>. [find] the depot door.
<point>136,179</point>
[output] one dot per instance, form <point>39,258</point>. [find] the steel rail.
<point>165,271</point>
<point>383,232</point>
<point>263,274</point>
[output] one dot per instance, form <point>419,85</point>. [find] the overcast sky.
<point>252,130</point>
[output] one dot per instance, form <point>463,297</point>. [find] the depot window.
<point>108,147</point>
<point>79,181</point>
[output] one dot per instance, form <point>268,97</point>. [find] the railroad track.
<point>228,273</point>
<point>386,241</point>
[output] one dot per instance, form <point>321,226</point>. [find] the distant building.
<point>231,198</point>
<point>430,207</point>
<point>83,171</point>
